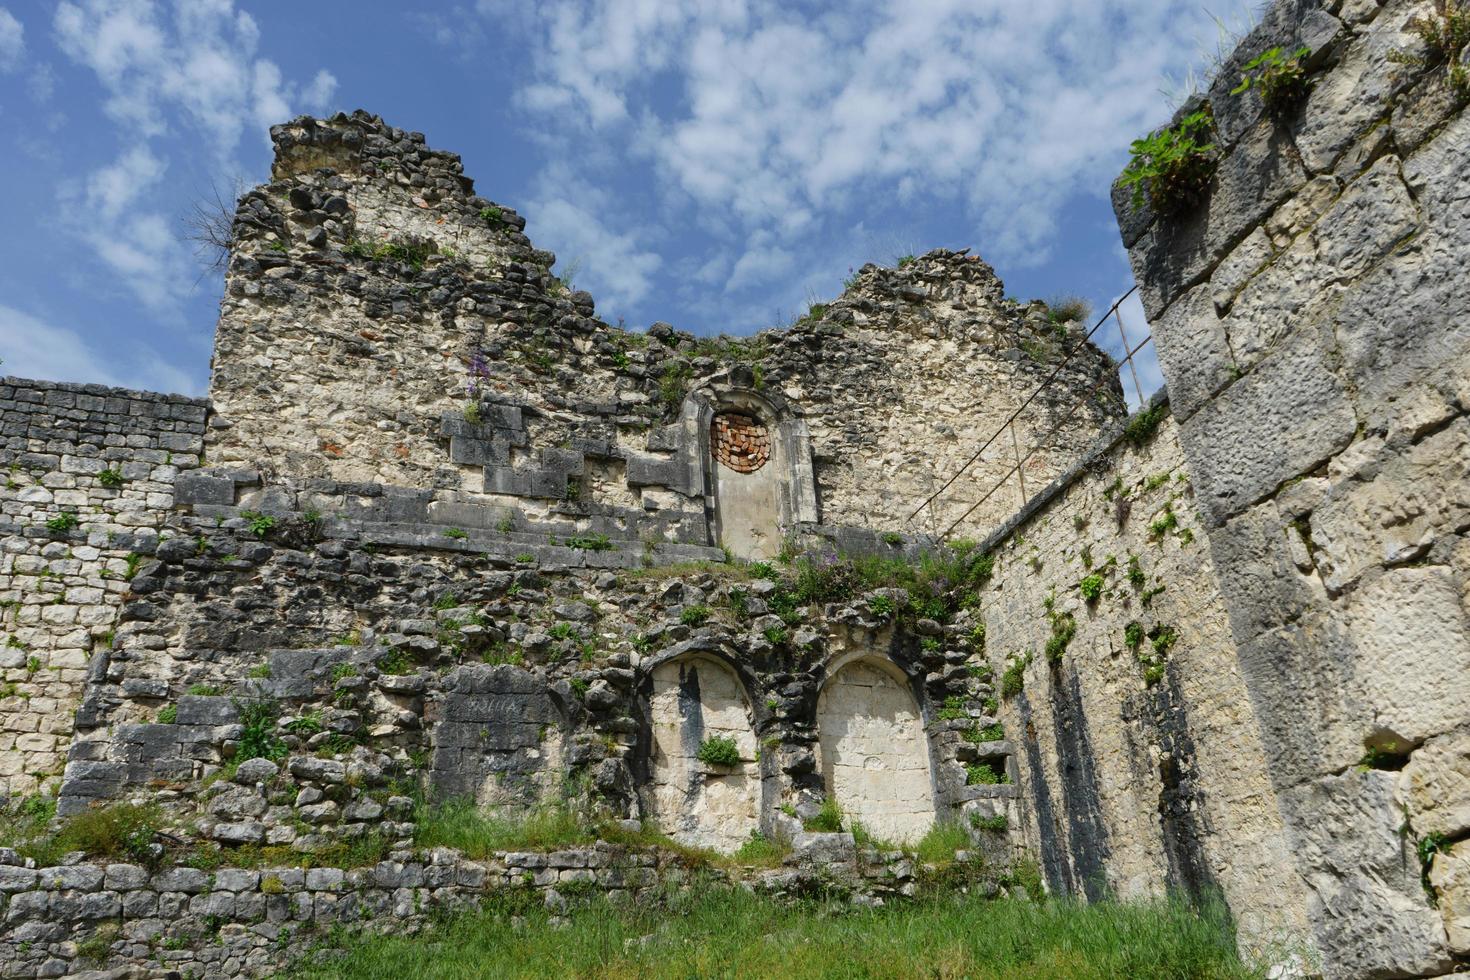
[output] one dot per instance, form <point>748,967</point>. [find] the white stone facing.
<point>696,698</point>
<point>874,756</point>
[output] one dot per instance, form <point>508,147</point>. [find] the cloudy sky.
<point>718,164</point>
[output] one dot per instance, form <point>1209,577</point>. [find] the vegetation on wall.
<point>1279,75</point>
<point>1446,35</point>
<point>1171,167</point>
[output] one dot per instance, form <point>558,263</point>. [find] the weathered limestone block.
<point>1450,877</point>
<point>1412,668</point>
<point>1434,787</point>
<point>1193,350</point>
<point>1284,418</point>
<point>1391,506</point>
<point>1347,100</point>
<point>1371,914</point>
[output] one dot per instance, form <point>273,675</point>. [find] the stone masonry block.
<point>1279,421</point>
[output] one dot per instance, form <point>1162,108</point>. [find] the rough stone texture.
<point>696,698</point>
<point>259,923</point>
<point>1140,770</point>
<point>873,752</point>
<point>1324,404</point>
<point>60,589</point>
<point>425,299</point>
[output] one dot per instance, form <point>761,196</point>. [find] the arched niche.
<point>874,753</point>
<point>752,453</point>
<point>696,697</point>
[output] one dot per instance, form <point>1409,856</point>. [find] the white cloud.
<point>174,76</point>
<point>758,116</point>
<point>117,185</point>
<point>32,348</point>
<point>200,63</point>
<point>12,41</point>
<point>612,264</point>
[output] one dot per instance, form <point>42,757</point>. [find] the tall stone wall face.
<point>372,298</point>
<point>108,458</point>
<point>1140,764</point>
<point>1312,317</point>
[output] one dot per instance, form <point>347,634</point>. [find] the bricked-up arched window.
<point>740,441</point>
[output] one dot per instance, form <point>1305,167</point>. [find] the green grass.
<point>120,831</point>
<point>460,824</point>
<point>729,933</point>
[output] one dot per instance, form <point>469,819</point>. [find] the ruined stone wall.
<point>88,476</point>
<point>1312,317</point>
<point>372,298</point>
<point>1140,764</point>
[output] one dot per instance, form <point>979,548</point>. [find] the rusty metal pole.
<point>1128,356</point>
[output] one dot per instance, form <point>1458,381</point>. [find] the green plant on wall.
<point>1280,76</point>
<point>1446,35</point>
<point>719,750</point>
<point>1172,166</point>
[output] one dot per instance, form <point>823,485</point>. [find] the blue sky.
<point>714,163</point>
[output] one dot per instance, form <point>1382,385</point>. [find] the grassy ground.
<point>733,934</point>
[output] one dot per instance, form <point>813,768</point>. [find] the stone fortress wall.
<point>98,465</point>
<point>419,292</point>
<point>1313,323</point>
<point>1221,650</point>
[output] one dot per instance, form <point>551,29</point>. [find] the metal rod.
<point>1020,472</point>
<point>1054,430</point>
<point>1137,388</point>
<point>1039,388</point>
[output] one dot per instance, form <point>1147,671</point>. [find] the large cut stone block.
<point>1450,877</point>
<point>1369,911</point>
<point>1434,787</point>
<point>1280,421</point>
<point>1412,666</point>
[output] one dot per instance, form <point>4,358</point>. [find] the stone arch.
<point>874,752</point>
<point>695,697</point>
<point>758,482</point>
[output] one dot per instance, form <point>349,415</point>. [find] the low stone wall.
<point>235,922</point>
<point>88,475</point>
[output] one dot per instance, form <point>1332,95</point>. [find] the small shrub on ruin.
<point>828,819</point>
<point>168,714</point>
<point>1446,35</point>
<point>695,615</point>
<point>1091,587</point>
<point>591,542</point>
<point>1013,681</point>
<point>62,522</point>
<point>1142,426</point>
<point>1171,167</point>
<point>111,479</point>
<point>1279,75</point>
<point>882,606</point>
<point>1063,628</point>
<point>121,831</point>
<point>1061,310</point>
<point>258,740</point>
<point>997,823</point>
<point>395,661</point>
<point>260,524</point>
<point>985,774</point>
<point>1133,635</point>
<point>719,750</point>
